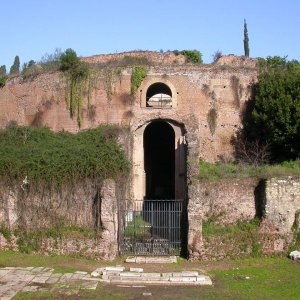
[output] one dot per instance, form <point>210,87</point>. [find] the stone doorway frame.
<point>138,173</point>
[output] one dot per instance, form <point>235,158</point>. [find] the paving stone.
<point>201,278</point>
<point>151,275</point>
<point>52,280</point>
<point>117,269</point>
<point>130,259</point>
<point>140,270</point>
<point>110,272</point>
<point>140,260</point>
<point>167,275</point>
<point>78,276</point>
<point>39,279</point>
<point>38,269</point>
<point>30,288</point>
<point>189,273</point>
<point>183,279</point>
<point>65,277</point>
<point>177,274</point>
<point>4,272</point>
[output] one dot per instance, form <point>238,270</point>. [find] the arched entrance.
<point>153,223</point>
<point>159,160</point>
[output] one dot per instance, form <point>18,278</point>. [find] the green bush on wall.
<point>56,158</point>
<point>192,56</point>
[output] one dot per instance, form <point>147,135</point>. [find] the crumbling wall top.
<point>161,58</point>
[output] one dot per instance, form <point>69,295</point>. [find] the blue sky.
<point>32,28</point>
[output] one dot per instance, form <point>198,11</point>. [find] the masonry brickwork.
<point>197,90</point>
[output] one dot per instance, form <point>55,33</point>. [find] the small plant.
<point>5,232</point>
<point>139,73</point>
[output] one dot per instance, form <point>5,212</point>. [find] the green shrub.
<point>45,156</point>
<point>68,60</point>
<point>192,56</point>
<point>5,231</point>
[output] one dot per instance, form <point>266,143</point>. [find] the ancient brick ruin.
<point>195,110</point>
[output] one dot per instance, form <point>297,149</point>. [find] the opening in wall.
<point>159,95</point>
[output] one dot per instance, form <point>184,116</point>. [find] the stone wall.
<point>160,58</point>
<point>276,201</point>
<point>197,90</point>
<point>227,201</point>
<point>88,205</point>
<point>282,204</point>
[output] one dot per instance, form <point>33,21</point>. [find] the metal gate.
<point>151,227</point>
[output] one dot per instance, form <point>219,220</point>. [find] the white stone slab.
<point>183,279</point>
<point>118,269</point>
<point>140,270</point>
<point>130,274</point>
<point>151,275</point>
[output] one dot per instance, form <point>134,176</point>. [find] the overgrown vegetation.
<point>192,56</point>
<point>30,241</point>
<point>222,170</point>
<point>139,73</point>
<point>272,117</point>
<point>211,226</point>
<point>244,235</point>
<point>55,158</point>
<point>77,74</point>
<point>138,228</point>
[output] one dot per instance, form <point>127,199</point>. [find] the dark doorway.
<point>159,153</point>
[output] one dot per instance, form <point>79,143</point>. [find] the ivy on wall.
<point>139,73</point>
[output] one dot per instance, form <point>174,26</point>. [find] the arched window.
<point>159,95</point>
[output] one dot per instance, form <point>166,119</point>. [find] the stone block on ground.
<point>140,270</point>
<point>295,255</point>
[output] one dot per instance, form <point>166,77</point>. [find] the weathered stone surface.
<point>136,270</point>
<point>282,203</point>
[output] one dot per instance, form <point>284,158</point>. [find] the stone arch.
<point>138,159</point>
<point>162,86</point>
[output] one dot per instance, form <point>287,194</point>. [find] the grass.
<point>254,278</point>
<point>138,228</point>
<point>210,226</point>
<point>30,240</point>
<point>230,170</point>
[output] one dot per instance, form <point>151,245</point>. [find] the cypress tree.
<point>15,68</point>
<point>246,39</point>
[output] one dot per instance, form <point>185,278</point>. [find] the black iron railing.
<point>151,227</point>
